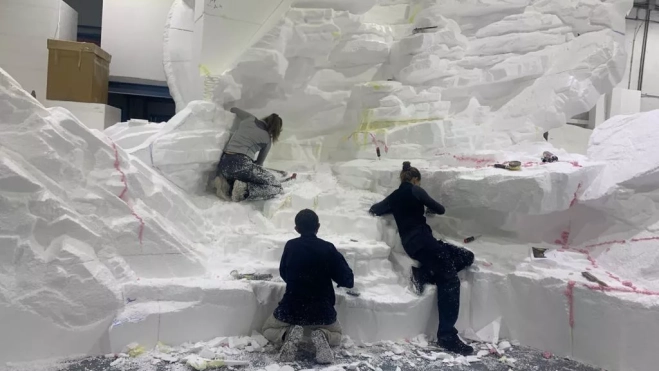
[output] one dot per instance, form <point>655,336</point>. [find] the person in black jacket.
<point>440,262</point>
<point>308,266</point>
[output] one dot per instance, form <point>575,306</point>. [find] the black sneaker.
<point>418,283</point>
<point>453,344</point>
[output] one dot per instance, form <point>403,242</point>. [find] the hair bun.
<point>407,165</point>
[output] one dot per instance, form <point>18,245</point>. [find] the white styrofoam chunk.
<point>356,7</point>
<point>635,166</point>
<point>504,345</point>
<point>259,339</point>
<point>207,353</point>
<point>528,21</point>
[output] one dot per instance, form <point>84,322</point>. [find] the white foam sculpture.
<point>106,244</point>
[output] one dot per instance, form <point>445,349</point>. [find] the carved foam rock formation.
<point>536,205</point>
<point>626,192</point>
<point>274,76</point>
<point>525,66</point>
<point>79,216</point>
<point>493,66</point>
<point>185,150</point>
<point>526,295</point>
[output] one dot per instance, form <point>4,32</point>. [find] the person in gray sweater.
<point>239,177</point>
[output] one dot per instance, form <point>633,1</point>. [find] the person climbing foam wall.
<point>440,261</point>
<point>238,176</point>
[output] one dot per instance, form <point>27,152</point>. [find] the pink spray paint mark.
<point>589,257</point>
<point>629,284</point>
<point>376,141</point>
<point>479,161</point>
<point>124,192</point>
<point>565,237</point>
<point>117,166</point>
<point>569,294</point>
<point>574,199</point>
<point>140,234</point>
<point>645,239</point>
<point>613,276</point>
<point>547,355</point>
<point>621,289</point>
<point>607,243</point>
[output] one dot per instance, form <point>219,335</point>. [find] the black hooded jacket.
<point>408,204</point>
<point>308,266</point>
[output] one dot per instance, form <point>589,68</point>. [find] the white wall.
<point>25,27</point>
<point>651,70</point>
<point>133,34</point>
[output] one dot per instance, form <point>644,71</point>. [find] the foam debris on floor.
<point>401,355</point>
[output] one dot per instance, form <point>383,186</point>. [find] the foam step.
<point>368,259</point>
<point>306,195</point>
<point>358,226</point>
<point>367,272</point>
<point>547,188</point>
<point>177,311</point>
<point>270,247</point>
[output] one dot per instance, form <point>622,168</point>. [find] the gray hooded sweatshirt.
<point>250,136</point>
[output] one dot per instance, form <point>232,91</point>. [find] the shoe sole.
<point>324,354</point>
<point>239,190</point>
<point>289,349</point>
<point>221,188</point>
<point>465,352</point>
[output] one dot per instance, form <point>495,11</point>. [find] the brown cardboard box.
<point>77,72</point>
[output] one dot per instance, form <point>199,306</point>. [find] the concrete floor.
<point>526,360</point>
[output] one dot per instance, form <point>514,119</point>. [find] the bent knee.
<point>449,283</point>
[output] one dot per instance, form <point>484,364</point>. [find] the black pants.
<point>440,264</point>
<point>261,184</point>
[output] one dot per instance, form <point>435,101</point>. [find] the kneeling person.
<point>308,266</point>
